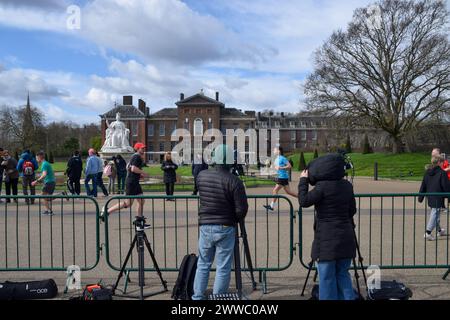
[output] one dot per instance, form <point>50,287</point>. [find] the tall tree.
<point>390,68</point>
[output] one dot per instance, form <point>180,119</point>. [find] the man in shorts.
<point>132,186</point>
<point>48,178</point>
<point>282,166</point>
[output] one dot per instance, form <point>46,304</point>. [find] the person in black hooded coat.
<point>334,244</point>
<point>170,175</point>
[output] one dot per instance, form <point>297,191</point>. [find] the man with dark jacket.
<point>334,244</point>
<point>74,170</point>
<point>435,181</point>
<point>198,166</point>
<point>223,202</point>
<point>27,167</point>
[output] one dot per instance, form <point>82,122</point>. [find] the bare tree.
<point>390,67</point>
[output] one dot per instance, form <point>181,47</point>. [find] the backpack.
<point>107,171</point>
<point>184,286</point>
<point>390,290</point>
<point>28,168</point>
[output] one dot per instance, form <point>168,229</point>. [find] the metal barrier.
<point>174,233</point>
<point>390,229</point>
<point>31,241</point>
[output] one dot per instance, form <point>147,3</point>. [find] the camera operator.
<point>334,244</point>
<point>223,203</point>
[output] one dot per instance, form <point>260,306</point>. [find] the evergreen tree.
<point>301,162</point>
<point>348,145</point>
<point>316,154</point>
<point>52,159</point>
<point>366,149</point>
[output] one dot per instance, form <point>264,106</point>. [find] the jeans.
<point>216,241</point>
<point>435,220</point>
<point>93,192</point>
<point>121,176</point>
<point>335,282</point>
<point>170,188</point>
<point>26,183</point>
<point>112,185</point>
<point>100,183</point>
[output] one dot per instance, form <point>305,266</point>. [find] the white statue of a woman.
<point>116,136</point>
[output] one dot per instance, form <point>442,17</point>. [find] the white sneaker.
<point>442,233</point>
<point>429,237</point>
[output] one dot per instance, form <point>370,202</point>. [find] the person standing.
<point>133,187</point>
<point>100,175</point>
<point>334,244</point>
<point>11,175</point>
<point>121,167</point>
<point>170,175</point>
<point>27,167</point>
<point>111,172</point>
<point>48,178</point>
<point>282,166</point>
<point>445,165</point>
<point>198,166</point>
<point>91,174</point>
<point>223,203</point>
<point>435,180</point>
<point>74,170</point>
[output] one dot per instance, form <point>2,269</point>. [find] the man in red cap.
<point>132,186</point>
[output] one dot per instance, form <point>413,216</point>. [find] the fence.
<point>174,233</point>
<point>390,229</point>
<point>35,242</point>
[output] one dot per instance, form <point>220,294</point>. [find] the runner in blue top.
<point>282,166</point>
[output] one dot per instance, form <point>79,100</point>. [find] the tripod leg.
<point>307,278</point>
<point>122,270</point>
<point>141,261</point>
<point>155,264</point>
<point>446,275</point>
<point>237,264</point>
<point>247,253</point>
<point>355,266</point>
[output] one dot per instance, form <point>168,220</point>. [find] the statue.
<point>117,137</point>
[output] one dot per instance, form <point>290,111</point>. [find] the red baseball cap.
<point>139,145</point>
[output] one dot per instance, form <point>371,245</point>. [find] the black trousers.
<point>170,188</point>
<point>11,185</point>
<point>100,183</point>
<point>195,186</point>
<point>1,183</point>
<point>74,185</point>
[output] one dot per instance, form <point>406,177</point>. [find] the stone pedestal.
<point>107,155</point>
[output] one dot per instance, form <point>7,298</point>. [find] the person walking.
<point>435,180</point>
<point>100,183</point>
<point>48,178</point>
<point>111,172</point>
<point>198,166</point>
<point>91,171</point>
<point>27,167</point>
<point>11,175</point>
<point>223,203</point>
<point>133,187</point>
<point>282,166</point>
<point>334,244</point>
<point>74,171</point>
<point>170,175</point>
<point>121,167</point>
<point>1,172</point>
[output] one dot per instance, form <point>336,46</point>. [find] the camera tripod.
<point>140,240</point>
<point>355,268</point>
<point>237,258</point>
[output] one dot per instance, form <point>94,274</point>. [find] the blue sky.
<point>255,53</point>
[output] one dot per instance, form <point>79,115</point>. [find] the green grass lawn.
<point>408,166</point>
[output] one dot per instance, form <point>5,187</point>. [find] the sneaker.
<point>429,237</point>
<point>442,233</point>
<point>269,208</point>
<point>48,213</point>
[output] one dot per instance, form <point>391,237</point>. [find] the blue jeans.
<point>335,282</point>
<point>435,220</point>
<point>93,192</point>
<point>121,176</point>
<point>215,241</point>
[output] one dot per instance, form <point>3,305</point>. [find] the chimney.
<point>127,100</point>
<point>282,114</point>
<point>181,96</point>
<point>217,96</point>
<point>147,111</point>
<point>142,106</point>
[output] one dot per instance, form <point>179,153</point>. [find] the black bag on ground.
<point>315,294</point>
<point>184,286</point>
<point>390,290</point>
<point>329,167</point>
<point>32,290</point>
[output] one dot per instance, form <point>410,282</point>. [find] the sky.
<point>257,54</point>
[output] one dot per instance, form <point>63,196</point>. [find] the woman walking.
<point>121,168</point>
<point>9,165</point>
<point>170,176</point>
<point>111,172</point>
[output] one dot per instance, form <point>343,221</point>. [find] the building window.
<point>198,111</point>
<point>304,136</point>
<point>150,147</point>
<point>162,129</point>
<point>161,146</point>
<point>303,124</point>
<point>209,111</point>
<point>174,127</point>
<point>314,135</point>
<point>150,130</point>
<point>186,111</point>
<point>210,124</point>
<point>277,124</point>
<point>198,127</point>
<point>294,146</point>
<point>293,135</point>
<point>292,124</point>
<point>313,124</point>
<point>173,144</point>
<point>186,124</point>
<point>263,124</point>
<point>134,128</point>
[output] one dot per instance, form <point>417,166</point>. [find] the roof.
<point>166,113</point>
<point>198,100</point>
<point>233,113</point>
<point>125,112</point>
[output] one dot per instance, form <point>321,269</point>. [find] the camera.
<point>139,223</point>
